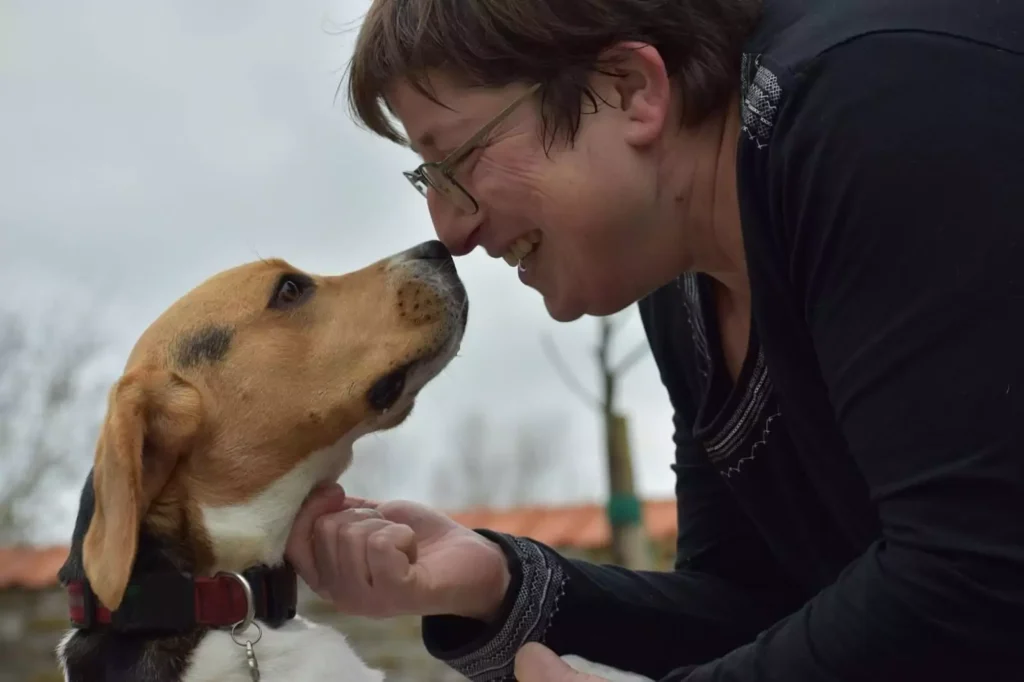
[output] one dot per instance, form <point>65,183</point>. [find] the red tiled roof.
<point>31,568</point>
<point>582,526</point>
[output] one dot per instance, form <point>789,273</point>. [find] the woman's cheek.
<point>497,191</point>
<point>511,178</point>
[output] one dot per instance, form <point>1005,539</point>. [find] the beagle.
<point>234,404</point>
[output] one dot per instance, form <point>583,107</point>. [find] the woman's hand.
<point>536,663</point>
<point>394,558</point>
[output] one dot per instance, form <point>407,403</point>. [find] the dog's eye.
<point>291,290</point>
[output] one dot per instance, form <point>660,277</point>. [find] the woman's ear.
<point>640,87</point>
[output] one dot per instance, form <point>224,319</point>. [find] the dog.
<point>244,395</point>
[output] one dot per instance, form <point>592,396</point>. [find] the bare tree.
<point>465,478</point>
<point>491,468</point>
<point>40,381</point>
<point>382,466</point>
<point>538,458</point>
<point>629,542</point>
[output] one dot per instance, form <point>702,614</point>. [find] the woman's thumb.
<point>299,550</point>
<point>537,663</point>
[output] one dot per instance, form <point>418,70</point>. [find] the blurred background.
<point>145,146</point>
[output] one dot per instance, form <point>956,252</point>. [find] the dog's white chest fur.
<point>299,651</point>
<point>256,531</point>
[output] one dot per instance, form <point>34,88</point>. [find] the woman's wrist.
<point>493,588</point>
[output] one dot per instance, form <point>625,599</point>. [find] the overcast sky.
<point>147,145</point>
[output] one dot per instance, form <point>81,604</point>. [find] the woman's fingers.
<point>363,557</point>
<point>343,564</point>
<point>300,547</point>
<point>390,553</point>
<point>360,502</point>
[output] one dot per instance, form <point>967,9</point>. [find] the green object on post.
<point>624,509</point>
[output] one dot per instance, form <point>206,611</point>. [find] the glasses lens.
<point>450,189</point>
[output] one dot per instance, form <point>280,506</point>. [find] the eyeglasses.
<point>440,175</point>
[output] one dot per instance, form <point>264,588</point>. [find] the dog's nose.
<point>431,250</point>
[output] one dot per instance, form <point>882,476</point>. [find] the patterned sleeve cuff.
<point>486,652</point>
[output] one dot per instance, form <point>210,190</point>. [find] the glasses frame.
<point>420,177</point>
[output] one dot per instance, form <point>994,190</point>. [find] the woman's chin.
<point>563,308</point>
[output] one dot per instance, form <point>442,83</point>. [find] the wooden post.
<point>630,546</point>
<point>629,543</point>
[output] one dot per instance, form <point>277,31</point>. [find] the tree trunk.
<point>630,546</point>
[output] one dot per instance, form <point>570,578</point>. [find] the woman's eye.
<point>291,290</point>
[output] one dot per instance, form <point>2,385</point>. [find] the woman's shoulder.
<point>786,52</point>
<point>793,33</point>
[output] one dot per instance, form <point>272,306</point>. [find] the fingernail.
<point>327,489</point>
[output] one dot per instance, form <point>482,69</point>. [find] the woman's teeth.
<point>522,248</point>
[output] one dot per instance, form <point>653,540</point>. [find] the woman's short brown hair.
<point>557,43</point>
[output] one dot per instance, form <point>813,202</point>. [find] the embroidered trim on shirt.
<point>687,283</point>
<point>746,415</point>
<point>725,442</point>
<point>760,100</point>
<point>737,467</point>
<point>535,606</point>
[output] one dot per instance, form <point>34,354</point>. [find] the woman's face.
<point>586,225</point>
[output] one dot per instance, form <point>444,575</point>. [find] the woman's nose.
<point>454,227</point>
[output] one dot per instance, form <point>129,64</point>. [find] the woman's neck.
<point>707,203</point>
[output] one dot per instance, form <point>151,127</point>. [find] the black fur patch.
<point>99,656</point>
<point>209,344</point>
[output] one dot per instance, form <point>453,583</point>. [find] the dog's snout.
<point>428,285</point>
<point>431,250</point>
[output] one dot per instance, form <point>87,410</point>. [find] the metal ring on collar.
<point>247,643</point>
<point>250,609</point>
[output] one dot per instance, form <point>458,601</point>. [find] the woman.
<point>817,207</point>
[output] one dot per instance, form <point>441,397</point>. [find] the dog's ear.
<point>152,417</point>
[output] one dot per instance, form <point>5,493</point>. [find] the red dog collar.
<point>179,602</point>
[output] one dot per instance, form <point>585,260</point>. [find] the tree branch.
<point>48,366</point>
<point>631,358</point>
<point>566,374</point>
<point>614,324</point>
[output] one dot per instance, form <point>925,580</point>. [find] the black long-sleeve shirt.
<point>852,508</point>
